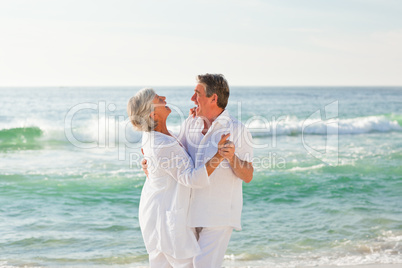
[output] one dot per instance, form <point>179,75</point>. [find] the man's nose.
<point>193,97</point>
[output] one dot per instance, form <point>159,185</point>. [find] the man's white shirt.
<point>221,202</point>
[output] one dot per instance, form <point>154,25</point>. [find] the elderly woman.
<point>165,196</point>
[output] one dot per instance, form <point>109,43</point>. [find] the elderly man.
<point>216,209</point>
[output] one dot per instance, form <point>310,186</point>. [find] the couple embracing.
<point>192,198</point>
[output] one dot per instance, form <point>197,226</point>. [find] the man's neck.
<point>209,120</point>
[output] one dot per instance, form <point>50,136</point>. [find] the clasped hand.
<point>226,148</point>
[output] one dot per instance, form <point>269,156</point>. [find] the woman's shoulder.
<point>157,141</point>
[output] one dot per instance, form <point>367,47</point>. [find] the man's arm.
<point>242,169</point>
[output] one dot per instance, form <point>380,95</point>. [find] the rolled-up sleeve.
<point>244,145</point>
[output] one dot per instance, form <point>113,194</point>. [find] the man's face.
<point>200,100</point>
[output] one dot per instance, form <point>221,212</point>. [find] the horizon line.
<point>239,85</point>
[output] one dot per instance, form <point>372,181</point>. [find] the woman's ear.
<point>152,115</point>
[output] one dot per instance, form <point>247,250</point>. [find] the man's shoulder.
<point>236,123</point>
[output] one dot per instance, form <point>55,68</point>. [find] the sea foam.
<point>110,130</point>
<point>290,126</point>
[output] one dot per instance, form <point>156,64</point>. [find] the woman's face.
<point>161,110</point>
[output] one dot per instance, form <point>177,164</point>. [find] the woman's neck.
<point>162,128</point>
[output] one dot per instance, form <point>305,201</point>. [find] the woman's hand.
<point>192,112</point>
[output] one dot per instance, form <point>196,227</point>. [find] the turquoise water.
<point>63,205</point>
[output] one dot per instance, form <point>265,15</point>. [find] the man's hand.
<point>242,169</point>
<point>223,141</point>
<point>227,150</point>
<point>144,164</point>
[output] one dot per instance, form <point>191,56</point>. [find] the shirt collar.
<point>223,119</point>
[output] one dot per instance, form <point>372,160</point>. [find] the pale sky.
<point>153,43</point>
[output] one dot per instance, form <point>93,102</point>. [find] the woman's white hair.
<point>139,109</point>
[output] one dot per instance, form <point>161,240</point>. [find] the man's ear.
<point>214,98</point>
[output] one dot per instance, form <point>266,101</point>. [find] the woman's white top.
<point>165,197</point>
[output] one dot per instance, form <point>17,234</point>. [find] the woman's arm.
<point>179,165</point>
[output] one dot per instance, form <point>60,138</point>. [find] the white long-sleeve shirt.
<point>221,202</point>
<point>165,196</point>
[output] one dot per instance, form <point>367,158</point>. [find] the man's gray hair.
<point>139,109</point>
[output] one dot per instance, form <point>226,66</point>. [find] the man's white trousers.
<point>159,259</point>
<point>213,242</point>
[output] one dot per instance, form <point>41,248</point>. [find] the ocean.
<point>327,186</point>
